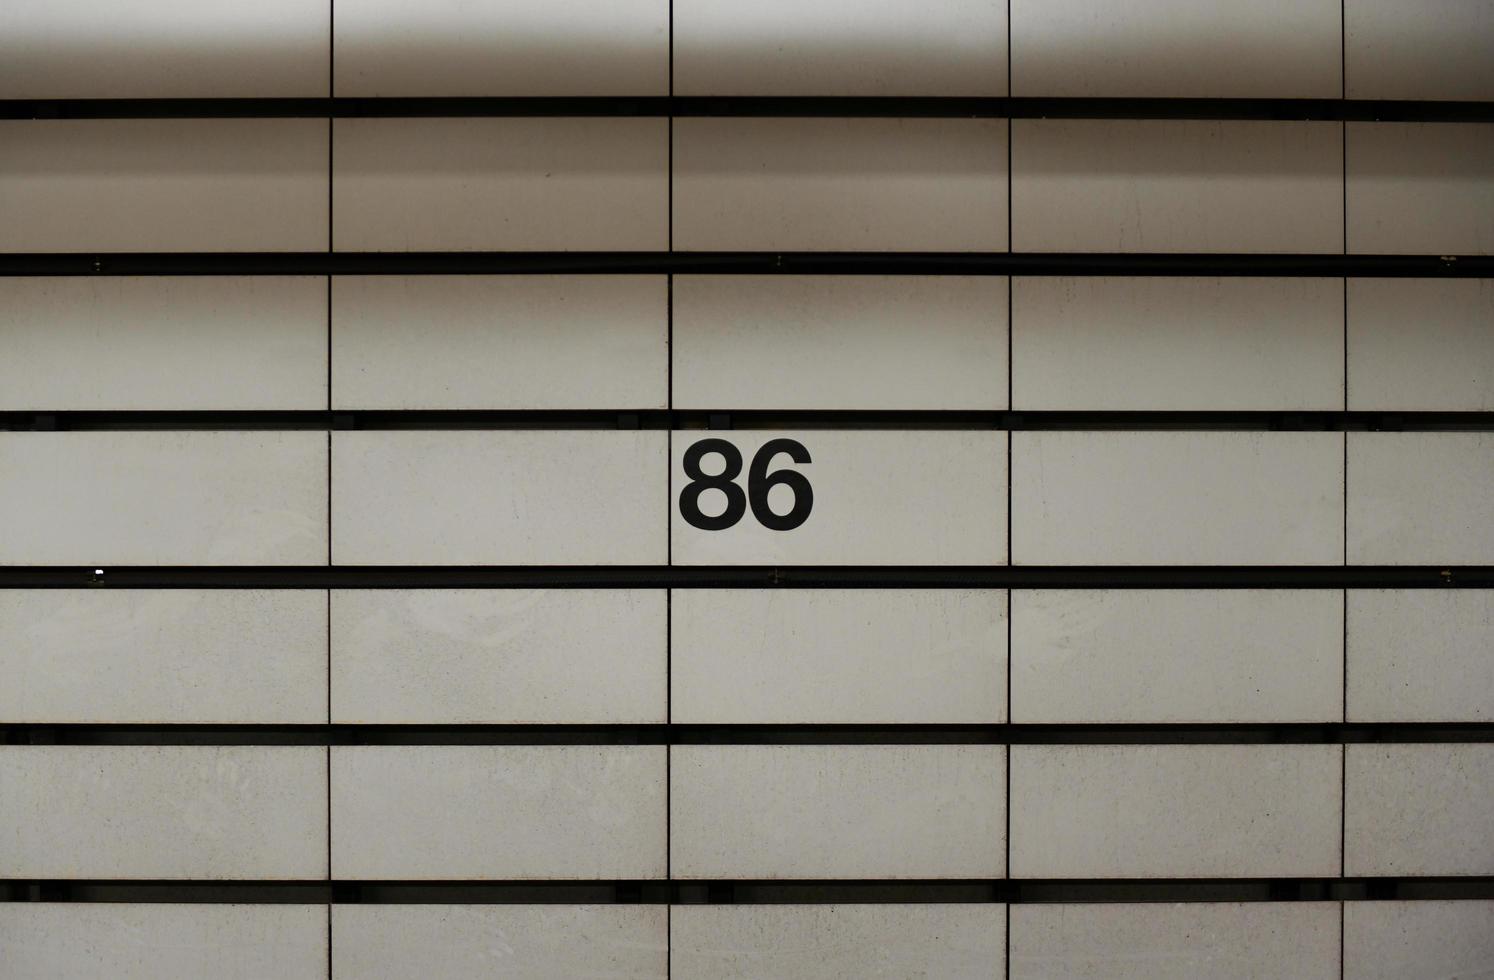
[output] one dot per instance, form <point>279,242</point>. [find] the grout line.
<point>761,892</point>
<point>702,733</point>
<point>1343,750</point>
<point>669,133</point>
<point>668,522</point>
<point>750,106</point>
<point>669,196</point>
<point>1007,965</point>
<point>331,148</point>
<point>665,419</point>
<point>323,419</point>
<point>661,576</point>
<point>1343,51</point>
<point>658,262</point>
<point>1011,402</point>
<point>1011,285</point>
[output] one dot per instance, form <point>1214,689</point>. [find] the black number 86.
<point>759,482</point>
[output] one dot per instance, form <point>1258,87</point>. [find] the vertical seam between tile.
<point>331,139</point>
<point>1011,282</point>
<point>1343,797</point>
<point>669,523</point>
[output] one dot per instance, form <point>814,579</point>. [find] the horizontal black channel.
<point>952,107</point>
<point>738,892</point>
<point>1016,421</point>
<point>740,263</point>
<point>1326,733</point>
<point>749,577</point>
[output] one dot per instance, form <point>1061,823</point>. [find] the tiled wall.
<point>1269,781</point>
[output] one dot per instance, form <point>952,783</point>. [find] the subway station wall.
<point>608,618</point>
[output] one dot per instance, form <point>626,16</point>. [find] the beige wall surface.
<point>792,489</point>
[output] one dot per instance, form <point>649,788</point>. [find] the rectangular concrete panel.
<point>837,811</point>
<point>1175,811</point>
<point>838,656</point>
<point>538,497</point>
<point>224,343</point>
<point>824,47</point>
<point>164,656</point>
<point>526,48</point>
<point>504,184</point>
<point>1419,809</point>
<point>1277,49</point>
<point>876,497</point>
<point>1111,185</point>
<point>1434,49</point>
<point>163,498</point>
<point>1419,655</point>
<point>1166,343</point>
<point>443,812</point>
<point>176,941</point>
<point>911,343</point>
<point>1148,656</point>
<point>500,342</point>
<point>899,185</point>
<point>163,185</point>
<point>1173,941</point>
<point>837,942</point>
<point>1421,345</point>
<point>498,656</point>
<point>163,811</point>
<point>153,49</point>
<point>456,942</point>
<point>1177,498</point>
<point>1421,940</point>
<point>1422,188</point>
<point>1421,498</point>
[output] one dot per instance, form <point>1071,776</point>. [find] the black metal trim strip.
<point>741,263</point>
<point>689,419</point>
<point>1324,733</point>
<point>1020,891</point>
<point>839,107</point>
<point>747,577</point>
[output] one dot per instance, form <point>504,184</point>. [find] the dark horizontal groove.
<point>819,106</point>
<point>748,892</point>
<point>1325,733</point>
<point>747,577</point>
<point>740,263</point>
<point>1312,421</point>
